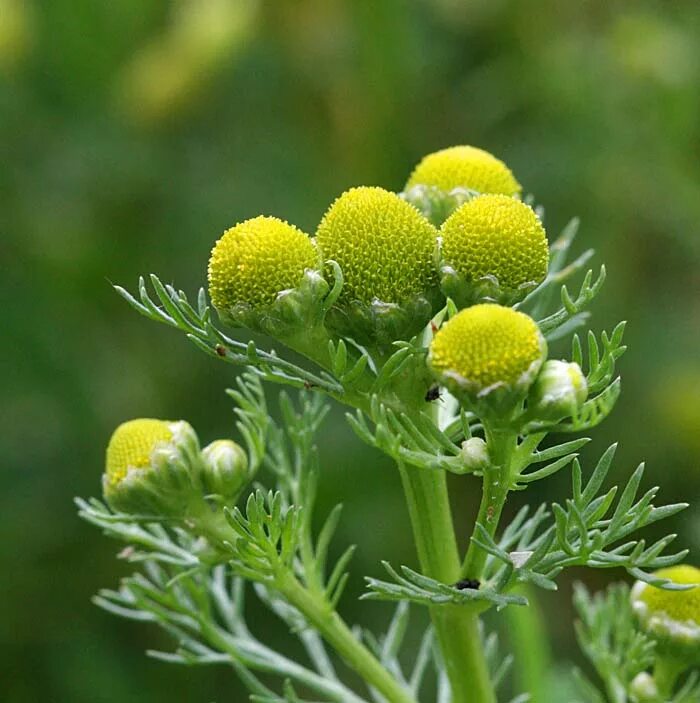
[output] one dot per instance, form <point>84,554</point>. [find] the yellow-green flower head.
<point>496,243</point>
<point>383,245</point>
<point>150,467</point>
<point>672,616</point>
<point>131,446</point>
<point>488,346</point>
<point>256,260</point>
<point>465,167</point>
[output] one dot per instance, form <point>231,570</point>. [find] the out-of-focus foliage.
<point>132,134</point>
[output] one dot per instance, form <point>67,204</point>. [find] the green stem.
<point>496,484</point>
<point>340,637</point>
<point>666,673</point>
<point>456,627</point>
<point>532,656</point>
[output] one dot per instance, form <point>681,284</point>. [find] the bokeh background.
<point>133,133</point>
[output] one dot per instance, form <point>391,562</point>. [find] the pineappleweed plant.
<point>428,314</point>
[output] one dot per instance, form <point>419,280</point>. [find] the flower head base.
<point>465,167</point>
<point>493,248</point>
<point>559,391</point>
<point>256,263</point>
<point>488,352</point>
<point>672,616</point>
<point>149,467</point>
<point>386,251</point>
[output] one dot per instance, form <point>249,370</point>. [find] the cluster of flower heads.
<point>393,267</point>
<point>393,259</point>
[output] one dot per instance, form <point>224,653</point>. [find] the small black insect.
<point>468,583</point>
<point>220,350</point>
<point>309,386</point>
<point>432,394</point>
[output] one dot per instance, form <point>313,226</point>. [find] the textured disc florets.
<point>464,167</point>
<point>496,239</point>
<point>383,245</point>
<point>256,260</point>
<point>131,446</point>
<point>486,346</point>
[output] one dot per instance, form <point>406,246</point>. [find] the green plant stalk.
<point>494,491</point>
<point>456,627</point>
<point>334,630</point>
<point>532,656</point>
<point>666,672</point>
<point>317,611</point>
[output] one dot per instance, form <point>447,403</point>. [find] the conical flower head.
<point>386,251</point>
<point>494,247</point>
<point>672,616</point>
<point>488,350</point>
<point>254,261</point>
<point>464,167</point>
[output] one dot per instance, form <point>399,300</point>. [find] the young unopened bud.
<point>672,617</point>
<point>559,391</point>
<point>494,248</point>
<point>475,454</point>
<point>224,470</point>
<point>150,468</point>
<point>386,251</point>
<point>644,688</point>
<point>488,353</point>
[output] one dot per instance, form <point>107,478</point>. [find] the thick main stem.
<point>456,627</point>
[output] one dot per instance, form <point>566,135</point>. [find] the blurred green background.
<point>133,133</point>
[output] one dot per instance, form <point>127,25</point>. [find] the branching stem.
<point>457,627</point>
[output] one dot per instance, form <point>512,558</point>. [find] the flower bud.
<point>224,469</point>
<point>254,270</point>
<point>475,454</point>
<point>386,251</point>
<point>150,467</point>
<point>644,689</point>
<point>493,248</point>
<point>559,391</point>
<point>672,617</point>
<point>488,353</point>
<point>464,167</point>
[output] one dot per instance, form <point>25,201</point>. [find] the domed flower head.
<point>386,251</point>
<point>672,616</point>
<point>493,248</point>
<point>254,263</point>
<point>488,352</point>
<point>149,467</point>
<point>464,167</point>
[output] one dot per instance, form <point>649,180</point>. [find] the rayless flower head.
<point>149,467</point>
<point>488,353</point>
<point>255,264</point>
<point>559,391</point>
<point>672,616</point>
<point>386,251</point>
<point>464,167</point>
<point>494,247</point>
